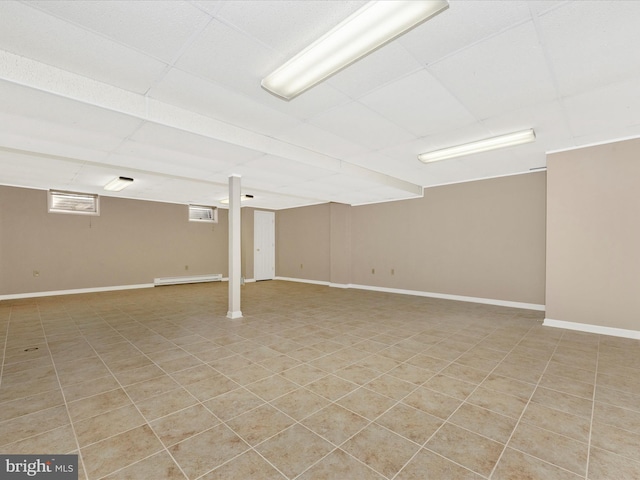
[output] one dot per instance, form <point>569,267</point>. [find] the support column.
<point>234,247</point>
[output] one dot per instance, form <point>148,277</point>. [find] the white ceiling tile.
<point>227,56</point>
<point>34,34</point>
<point>158,28</point>
<point>592,43</point>
<point>463,24</point>
<point>198,95</point>
<point>362,125</point>
<point>379,68</point>
<point>606,110</point>
<point>479,69</point>
<point>180,141</point>
<point>287,26</point>
<point>506,72</point>
<point>420,104</point>
<point>319,140</point>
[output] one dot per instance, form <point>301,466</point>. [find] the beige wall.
<point>593,236</point>
<point>130,243</point>
<point>481,239</point>
<point>303,243</point>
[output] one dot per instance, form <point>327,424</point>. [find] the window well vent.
<point>200,213</point>
<point>73,202</point>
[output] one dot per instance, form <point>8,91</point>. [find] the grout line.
<point>593,408</point>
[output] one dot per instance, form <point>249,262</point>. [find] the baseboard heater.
<point>216,277</point>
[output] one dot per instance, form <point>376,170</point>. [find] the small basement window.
<point>73,202</point>
<point>201,213</point>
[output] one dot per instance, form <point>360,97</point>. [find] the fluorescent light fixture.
<point>242,198</point>
<point>368,29</point>
<point>118,184</point>
<point>508,140</point>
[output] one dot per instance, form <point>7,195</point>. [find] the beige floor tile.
<point>604,465</point>
<point>551,447</point>
<point>208,450</point>
<point>366,446</point>
<point>565,385</point>
<point>450,386</point>
<point>468,449</point>
<point>390,343</point>
<point>104,425</point>
<point>272,387</point>
<point>563,402</point>
<point>509,386</point>
<point>117,452</point>
<point>558,422</point>
<point>616,440</point>
<point>429,465</point>
<point>30,404</point>
<point>300,403</point>
<point>497,402</point>
<point>60,440</point>
<point>290,460</point>
<point>340,465</point>
<point>261,423</point>
<point>233,403</point>
<point>211,387</point>
<point>183,424</point>
<point>410,422</point>
<point>515,465</point>
<point>432,402</point>
<point>335,423</point>
<point>26,426</point>
<point>366,403</point>
<point>249,465</point>
<point>98,404</point>
<point>484,422</point>
<point>357,374</point>
<point>165,403</point>
<point>158,466</point>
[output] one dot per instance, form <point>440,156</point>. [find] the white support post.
<point>234,247</point>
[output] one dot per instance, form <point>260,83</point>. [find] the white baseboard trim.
<point>444,296</point>
<point>589,328</point>
<point>458,298</point>
<point>54,293</point>
<point>212,277</point>
<point>302,280</point>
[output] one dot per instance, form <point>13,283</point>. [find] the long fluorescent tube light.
<point>118,184</point>
<point>242,198</point>
<point>368,29</point>
<point>508,140</point>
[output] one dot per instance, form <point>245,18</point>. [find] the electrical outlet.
<point>36,273</point>
<point>393,271</point>
<point>373,271</point>
<point>300,266</point>
<point>186,267</point>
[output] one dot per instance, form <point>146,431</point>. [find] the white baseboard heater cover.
<point>215,277</point>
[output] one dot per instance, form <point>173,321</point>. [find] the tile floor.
<point>313,383</point>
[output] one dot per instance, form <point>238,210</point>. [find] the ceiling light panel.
<point>479,146</point>
<point>371,27</point>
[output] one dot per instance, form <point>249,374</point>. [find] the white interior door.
<point>264,244</point>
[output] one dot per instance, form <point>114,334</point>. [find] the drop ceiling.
<point>168,92</point>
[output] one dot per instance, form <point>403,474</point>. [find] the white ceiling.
<point>168,92</point>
